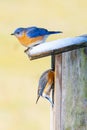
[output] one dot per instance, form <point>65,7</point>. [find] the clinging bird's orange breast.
<point>26,41</point>
<point>50,81</point>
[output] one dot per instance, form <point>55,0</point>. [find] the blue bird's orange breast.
<point>27,41</point>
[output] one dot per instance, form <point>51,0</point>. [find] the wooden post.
<point>56,111</point>
<point>70,95</point>
<point>52,95</point>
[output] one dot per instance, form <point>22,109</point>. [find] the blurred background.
<point>18,75</point>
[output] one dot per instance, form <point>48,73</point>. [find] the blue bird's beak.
<point>12,34</point>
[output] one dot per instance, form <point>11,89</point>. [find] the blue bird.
<point>32,36</point>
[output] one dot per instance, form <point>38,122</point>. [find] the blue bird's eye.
<point>18,32</point>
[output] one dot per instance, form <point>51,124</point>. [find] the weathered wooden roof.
<point>57,47</point>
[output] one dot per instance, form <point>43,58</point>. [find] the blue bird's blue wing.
<point>36,32</point>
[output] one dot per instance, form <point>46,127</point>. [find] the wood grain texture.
<point>56,111</point>
<point>70,93</point>
<point>74,90</point>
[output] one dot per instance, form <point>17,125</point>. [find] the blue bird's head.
<point>18,32</point>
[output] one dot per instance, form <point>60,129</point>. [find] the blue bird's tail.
<point>54,32</point>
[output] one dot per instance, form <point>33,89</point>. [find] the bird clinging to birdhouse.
<point>46,83</point>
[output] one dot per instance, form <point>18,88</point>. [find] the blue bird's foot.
<point>27,49</point>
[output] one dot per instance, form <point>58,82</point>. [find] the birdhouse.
<point>69,61</point>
